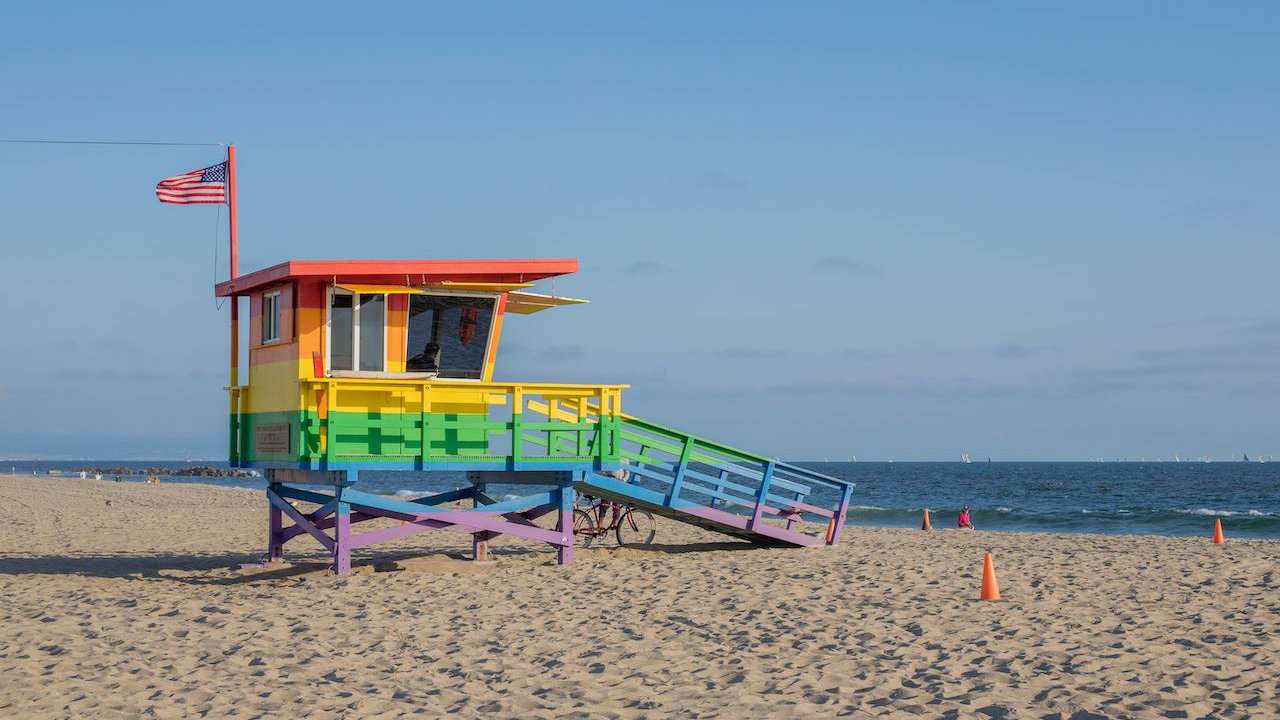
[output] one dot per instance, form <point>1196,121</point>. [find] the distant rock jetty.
<point>196,471</point>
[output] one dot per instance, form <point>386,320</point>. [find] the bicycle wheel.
<point>636,527</point>
<point>584,528</point>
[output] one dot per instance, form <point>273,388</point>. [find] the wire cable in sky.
<point>107,142</point>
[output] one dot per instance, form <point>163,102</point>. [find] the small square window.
<point>270,317</point>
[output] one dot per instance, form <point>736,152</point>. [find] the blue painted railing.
<point>717,486</point>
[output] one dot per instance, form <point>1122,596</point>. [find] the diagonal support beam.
<point>381,535</point>
<point>516,504</point>
<point>465,493</point>
<point>474,520</point>
<point>511,524</point>
<point>325,523</point>
<point>300,520</point>
<point>323,511</point>
<point>294,493</point>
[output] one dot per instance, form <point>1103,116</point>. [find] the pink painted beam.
<point>743,523</point>
<point>519,529</point>
<point>468,521</point>
<point>380,535</point>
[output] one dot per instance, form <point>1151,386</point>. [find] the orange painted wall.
<point>283,349</point>
<point>397,332</point>
<point>312,297</point>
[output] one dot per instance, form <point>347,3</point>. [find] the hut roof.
<point>401,272</point>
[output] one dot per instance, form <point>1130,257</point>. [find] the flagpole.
<point>235,265</point>
<point>231,197</point>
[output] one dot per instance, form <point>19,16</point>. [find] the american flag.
<point>207,186</point>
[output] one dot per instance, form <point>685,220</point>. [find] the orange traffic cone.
<point>1217,532</point>
<point>926,525</point>
<point>990,588</point>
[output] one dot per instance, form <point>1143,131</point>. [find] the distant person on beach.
<point>964,522</point>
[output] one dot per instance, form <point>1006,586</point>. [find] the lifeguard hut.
<point>359,365</point>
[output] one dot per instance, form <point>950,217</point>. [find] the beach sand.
<point>120,600</point>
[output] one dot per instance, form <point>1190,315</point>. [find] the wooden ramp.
<point>720,488</point>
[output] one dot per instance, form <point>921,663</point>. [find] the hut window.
<point>341,331</point>
<point>449,335</point>
<point>270,317</point>
<point>372,323</point>
<point>357,331</point>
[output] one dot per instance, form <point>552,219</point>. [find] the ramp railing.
<point>721,486</point>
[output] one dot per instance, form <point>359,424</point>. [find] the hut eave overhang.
<point>408,272</point>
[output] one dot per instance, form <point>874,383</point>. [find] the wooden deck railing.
<point>443,423</point>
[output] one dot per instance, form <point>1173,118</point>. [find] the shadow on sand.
<point>672,549</point>
<point>136,566</point>
<point>225,568</point>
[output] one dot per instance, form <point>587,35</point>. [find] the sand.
<point>122,600</point>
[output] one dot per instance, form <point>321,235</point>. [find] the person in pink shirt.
<point>964,521</point>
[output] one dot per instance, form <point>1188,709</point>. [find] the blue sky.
<point>1019,230</point>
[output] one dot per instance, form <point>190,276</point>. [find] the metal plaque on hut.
<point>271,438</point>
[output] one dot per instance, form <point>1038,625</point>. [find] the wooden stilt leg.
<point>480,547</point>
<point>564,553</point>
<point>275,523</point>
<point>342,535</point>
<point>837,522</point>
<point>342,540</point>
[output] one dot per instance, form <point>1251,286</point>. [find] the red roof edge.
<point>400,271</point>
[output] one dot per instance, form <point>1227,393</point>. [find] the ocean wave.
<point>915,510</point>
<point>1223,513</point>
<point>408,493</point>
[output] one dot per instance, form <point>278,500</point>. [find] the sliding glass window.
<point>357,332</point>
<point>372,314</point>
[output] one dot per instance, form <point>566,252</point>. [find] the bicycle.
<point>630,525</point>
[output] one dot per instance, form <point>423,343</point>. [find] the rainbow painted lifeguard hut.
<point>388,365</point>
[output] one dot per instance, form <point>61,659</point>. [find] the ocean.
<point>1162,498</point>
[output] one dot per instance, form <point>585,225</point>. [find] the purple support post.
<point>342,530</point>
<point>275,533</point>
<point>837,522</point>
<point>564,553</point>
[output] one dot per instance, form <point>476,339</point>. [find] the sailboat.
<point>965,458</point>
<point>1246,457</point>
